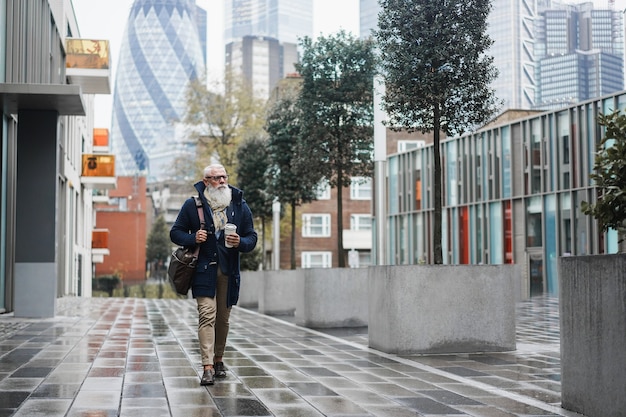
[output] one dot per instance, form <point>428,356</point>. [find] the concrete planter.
<point>251,284</point>
<point>442,308</point>
<point>592,304</point>
<point>279,291</point>
<point>332,298</point>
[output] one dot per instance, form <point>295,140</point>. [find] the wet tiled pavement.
<point>139,357</point>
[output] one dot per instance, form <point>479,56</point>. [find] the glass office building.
<point>512,193</point>
<point>510,25</point>
<point>163,48</point>
<point>284,20</point>
<point>579,54</point>
<point>261,38</point>
<point>368,17</point>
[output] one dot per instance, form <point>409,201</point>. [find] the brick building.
<point>124,216</point>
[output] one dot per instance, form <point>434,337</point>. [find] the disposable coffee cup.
<point>229,229</point>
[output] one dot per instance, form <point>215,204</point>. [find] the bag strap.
<point>202,222</point>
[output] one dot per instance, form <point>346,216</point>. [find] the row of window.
<point>318,224</point>
<point>324,259</point>
<point>360,189</point>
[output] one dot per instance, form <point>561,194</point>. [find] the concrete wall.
<point>250,289</point>
<point>335,297</point>
<point>592,304</point>
<point>442,308</point>
<point>279,291</point>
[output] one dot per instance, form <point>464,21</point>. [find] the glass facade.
<point>162,50</point>
<point>512,193</point>
<point>579,54</point>
<point>510,26</point>
<point>261,39</point>
<point>284,20</point>
<point>368,17</point>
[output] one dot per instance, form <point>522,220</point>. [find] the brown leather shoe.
<point>207,377</point>
<point>220,370</point>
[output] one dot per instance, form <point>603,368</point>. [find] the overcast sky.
<point>107,20</point>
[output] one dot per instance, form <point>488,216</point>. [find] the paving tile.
<point>13,399</point>
<point>56,391</point>
<point>241,407</point>
<point>107,400</point>
<point>44,408</point>
<point>428,406</point>
<point>337,405</point>
<point>311,389</point>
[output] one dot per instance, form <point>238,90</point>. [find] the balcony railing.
<point>98,171</point>
<point>99,245</point>
<point>88,64</point>
<point>101,140</point>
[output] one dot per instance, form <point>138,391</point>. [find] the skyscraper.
<point>261,38</point>
<point>579,54</point>
<point>510,25</point>
<point>284,20</point>
<point>163,48</point>
<point>368,17</point>
<point>548,53</point>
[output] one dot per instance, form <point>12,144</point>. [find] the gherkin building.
<point>162,49</point>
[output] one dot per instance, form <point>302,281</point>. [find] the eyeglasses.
<point>217,178</point>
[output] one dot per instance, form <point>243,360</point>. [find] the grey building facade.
<point>46,215</point>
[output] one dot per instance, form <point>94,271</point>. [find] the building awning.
<point>66,99</point>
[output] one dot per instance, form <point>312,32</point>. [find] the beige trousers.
<point>222,323</point>
<point>213,321</point>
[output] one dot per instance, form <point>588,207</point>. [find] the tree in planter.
<point>609,174</point>
<point>159,246</point>
<point>436,74</point>
<point>252,172</point>
<point>337,112</point>
<point>294,181</point>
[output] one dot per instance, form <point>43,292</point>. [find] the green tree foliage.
<point>437,76</point>
<point>610,176</point>
<point>250,261</point>
<point>159,246</point>
<point>337,111</point>
<point>222,117</point>
<point>107,283</point>
<point>293,181</point>
<point>252,173</point>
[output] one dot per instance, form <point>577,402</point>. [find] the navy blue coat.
<point>213,252</point>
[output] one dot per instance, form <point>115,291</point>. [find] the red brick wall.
<point>127,244</point>
<point>127,230</point>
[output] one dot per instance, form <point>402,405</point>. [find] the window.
<point>361,188</point>
<point>407,145</point>
<point>323,191</point>
<point>317,259</point>
<point>120,202</point>
<point>360,222</point>
<point>316,225</point>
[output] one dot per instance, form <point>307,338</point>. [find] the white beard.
<point>218,198</point>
